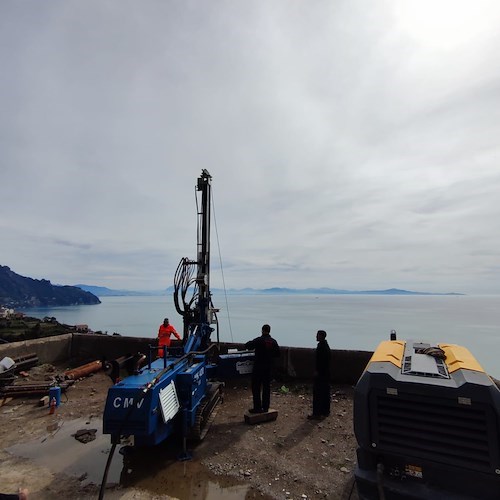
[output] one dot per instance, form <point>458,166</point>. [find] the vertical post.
<point>203,258</point>
<point>149,356</point>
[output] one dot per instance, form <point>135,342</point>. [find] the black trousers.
<point>261,389</point>
<point>321,395</point>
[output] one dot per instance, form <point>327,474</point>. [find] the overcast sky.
<point>352,144</point>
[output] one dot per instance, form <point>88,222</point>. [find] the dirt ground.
<point>289,458</point>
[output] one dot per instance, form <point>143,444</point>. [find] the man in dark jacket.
<point>266,349</point>
<point>321,387</point>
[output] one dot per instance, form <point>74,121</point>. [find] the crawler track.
<point>206,412</point>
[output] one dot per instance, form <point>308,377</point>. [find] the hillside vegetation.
<point>18,291</point>
<point>15,329</point>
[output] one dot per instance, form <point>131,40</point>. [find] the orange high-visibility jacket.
<point>164,334</point>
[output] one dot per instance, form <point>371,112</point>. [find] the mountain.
<point>334,291</point>
<point>102,291</point>
<point>324,291</point>
<point>17,291</point>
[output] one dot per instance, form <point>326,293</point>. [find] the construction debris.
<point>43,401</point>
<point>32,388</point>
<point>83,371</point>
<point>4,401</point>
<point>23,363</point>
<point>85,435</point>
<point>11,386</point>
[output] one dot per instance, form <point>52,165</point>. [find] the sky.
<point>352,144</point>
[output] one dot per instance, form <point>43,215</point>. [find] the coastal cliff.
<point>18,291</point>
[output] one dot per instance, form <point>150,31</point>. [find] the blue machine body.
<point>133,405</point>
<point>132,410</point>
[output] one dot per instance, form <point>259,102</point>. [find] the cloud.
<point>351,146</point>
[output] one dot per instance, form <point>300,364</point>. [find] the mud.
<point>290,458</point>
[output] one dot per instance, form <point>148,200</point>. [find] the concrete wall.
<point>299,363</point>
<point>346,366</point>
<point>86,347</point>
<point>49,349</point>
<point>294,362</point>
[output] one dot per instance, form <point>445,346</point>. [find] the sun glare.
<point>446,24</point>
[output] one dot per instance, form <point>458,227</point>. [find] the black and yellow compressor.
<point>427,423</point>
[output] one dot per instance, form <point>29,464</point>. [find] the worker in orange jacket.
<point>164,333</point>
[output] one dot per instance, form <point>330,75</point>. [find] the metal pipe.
<point>84,370</point>
<point>32,389</point>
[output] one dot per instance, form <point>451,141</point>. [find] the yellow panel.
<point>389,351</point>
<point>460,358</point>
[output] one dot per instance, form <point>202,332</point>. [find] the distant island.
<point>18,291</point>
<point>331,291</point>
<point>101,291</point>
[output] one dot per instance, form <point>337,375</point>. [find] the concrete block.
<point>259,418</point>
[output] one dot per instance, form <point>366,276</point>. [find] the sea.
<point>357,322</point>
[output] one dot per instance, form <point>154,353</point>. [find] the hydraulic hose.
<point>106,470</point>
<point>380,481</point>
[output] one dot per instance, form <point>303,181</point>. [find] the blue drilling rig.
<point>177,393</point>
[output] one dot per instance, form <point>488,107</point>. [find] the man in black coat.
<point>321,387</point>
<point>266,349</point>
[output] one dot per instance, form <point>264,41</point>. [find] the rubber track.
<point>205,413</point>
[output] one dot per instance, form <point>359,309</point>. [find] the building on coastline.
<point>6,312</point>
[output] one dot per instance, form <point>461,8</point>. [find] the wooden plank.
<point>259,418</point>
<point>4,401</point>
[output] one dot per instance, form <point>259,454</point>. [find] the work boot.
<point>255,410</point>
<point>314,417</point>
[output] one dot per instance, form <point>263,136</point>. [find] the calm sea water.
<point>351,321</point>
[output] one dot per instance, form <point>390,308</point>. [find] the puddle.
<point>59,451</point>
<point>188,480</point>
<point>156,470</point>
<point>159,470</point>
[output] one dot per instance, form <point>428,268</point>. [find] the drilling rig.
<point>177,392</point>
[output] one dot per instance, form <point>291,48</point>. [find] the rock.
<point>85,435</point>
<point>52,427</point>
